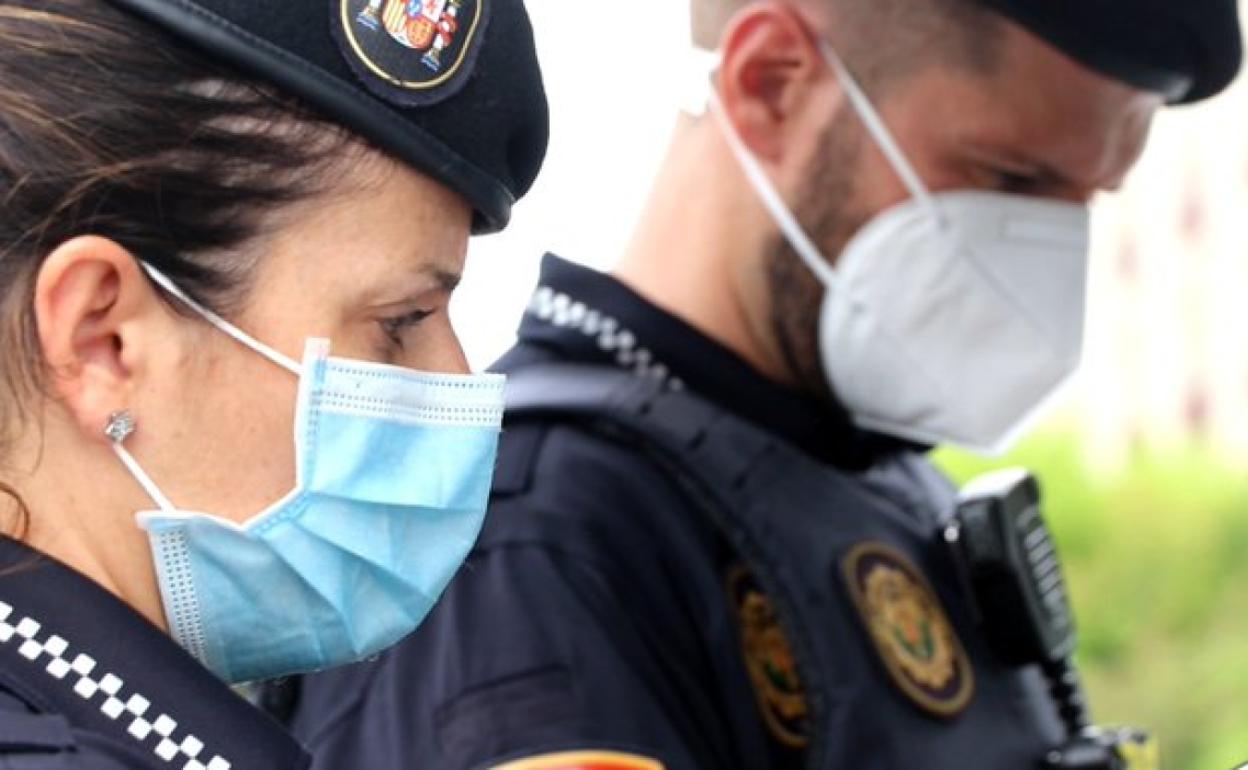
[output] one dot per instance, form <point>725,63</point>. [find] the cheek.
<point>879,186</point>
<point>238,414</point>
<point>931,133</point>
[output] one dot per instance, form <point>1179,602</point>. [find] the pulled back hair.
<point>109,127</point>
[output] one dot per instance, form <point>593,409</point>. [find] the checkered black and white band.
<point>564,312</point>
<point>157,731</point>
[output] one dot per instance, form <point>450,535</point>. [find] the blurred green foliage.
<point>1157,562</point>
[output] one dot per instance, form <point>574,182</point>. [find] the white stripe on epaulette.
<point>564,312</point>
<point>88,683</point>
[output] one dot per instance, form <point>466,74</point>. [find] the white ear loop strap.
<point>770,197</point>
<point>775,204</point>
<point>225,326</point>
<point>127,459</point>
<point>876,126</point>
<point>144,480</point>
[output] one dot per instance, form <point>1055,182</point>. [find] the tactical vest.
<point>893,673</point>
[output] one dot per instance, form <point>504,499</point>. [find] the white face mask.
<point>952,317</point>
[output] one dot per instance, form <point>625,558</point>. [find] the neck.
<point>79,509</point>
<point>698,247</point>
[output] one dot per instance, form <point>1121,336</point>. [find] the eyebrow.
<point>411,285</point>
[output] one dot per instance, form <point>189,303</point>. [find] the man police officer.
<point>714,536</point>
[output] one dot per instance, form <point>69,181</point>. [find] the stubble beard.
<point>826,212</point>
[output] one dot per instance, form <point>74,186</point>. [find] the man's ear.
<point>770,67</point>
<point>91,301</point>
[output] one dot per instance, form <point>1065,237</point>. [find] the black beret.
<point>452,87</point>
<point>1186,50</point>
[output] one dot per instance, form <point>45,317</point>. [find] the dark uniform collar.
<point>69,647</point>
<point>585,316</point>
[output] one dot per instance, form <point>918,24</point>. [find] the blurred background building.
<point>1144,461</point>
<point>1167,356</point>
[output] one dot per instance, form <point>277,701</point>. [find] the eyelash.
<point>394,327</point>
<point>1014,181</point>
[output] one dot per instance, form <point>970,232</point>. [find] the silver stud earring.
<point>120,426</point>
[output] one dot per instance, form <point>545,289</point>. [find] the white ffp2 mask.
<point>952,317</point>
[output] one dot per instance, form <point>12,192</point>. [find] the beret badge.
<point>411,52</point>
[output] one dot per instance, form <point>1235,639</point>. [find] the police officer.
<point>714,538</point>
<point>225,224</point>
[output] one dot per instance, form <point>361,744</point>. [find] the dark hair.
<point>108,127</point>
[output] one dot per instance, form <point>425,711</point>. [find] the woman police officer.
<point>224,223</point>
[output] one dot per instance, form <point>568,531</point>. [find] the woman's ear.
<point>92,302</point>
<point>770,68</point>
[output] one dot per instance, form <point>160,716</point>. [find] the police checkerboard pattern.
<point>559,309</point>
<point>159,731</point>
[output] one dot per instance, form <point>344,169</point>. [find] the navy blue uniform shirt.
<point>603,623</point>
<point>86,683</point>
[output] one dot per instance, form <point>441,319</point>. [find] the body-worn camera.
<point>1011,570</point>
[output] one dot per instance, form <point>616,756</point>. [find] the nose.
<point>449,357</point>
<point>458,363</point>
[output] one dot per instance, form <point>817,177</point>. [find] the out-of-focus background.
<point>1145,460</point>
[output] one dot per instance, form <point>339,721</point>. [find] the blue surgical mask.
<point>392,481</point>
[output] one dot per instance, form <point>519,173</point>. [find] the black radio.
<point>1011,570</point>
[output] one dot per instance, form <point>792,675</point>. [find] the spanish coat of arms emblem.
<point>416,47</point>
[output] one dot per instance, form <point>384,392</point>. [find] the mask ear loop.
<point>120,427</point>
<point>121,424</point>
<point>878,129</point>
<point>225,326</point>
<point>144,480</point>
<point>770,197</point>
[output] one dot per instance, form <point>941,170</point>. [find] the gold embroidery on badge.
<point>770,662</point>
<point>583,760</point>
<point>910,629</point>
<point>412,45</point>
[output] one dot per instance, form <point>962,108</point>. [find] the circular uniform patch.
<point>583,760</point>
<point>770,662</point>
<point>910,629</point>
<point>413,52</point>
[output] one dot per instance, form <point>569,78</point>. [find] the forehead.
<point>1038,102</point>
<point>376,227</point>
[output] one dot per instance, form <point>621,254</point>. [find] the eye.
<point>395,326</point>
<point>1014,181</point>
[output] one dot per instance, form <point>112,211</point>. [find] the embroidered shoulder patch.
<point>770,662</point>
<point>910,629</point>
<point>411,52</point>
<point>583,760</point>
